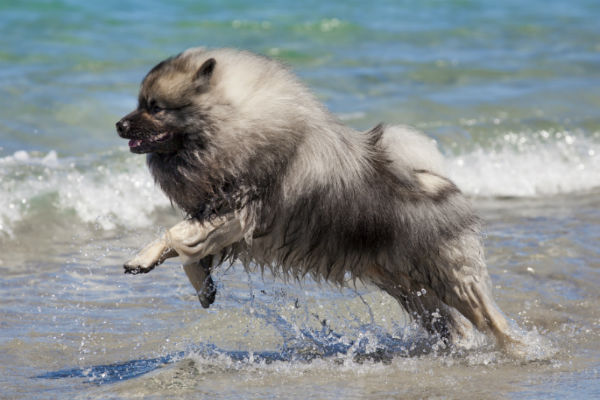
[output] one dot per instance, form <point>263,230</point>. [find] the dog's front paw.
<point>207,294</point>
<point>132,267</point>
<point>145,261</point>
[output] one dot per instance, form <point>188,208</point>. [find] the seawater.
<point>508,90</point>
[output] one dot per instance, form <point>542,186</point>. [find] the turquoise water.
<point>70,68</point>
<point>509,89</point>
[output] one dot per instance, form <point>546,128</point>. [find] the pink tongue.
<point>134,142</point>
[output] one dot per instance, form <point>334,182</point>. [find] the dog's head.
<point>169,106</point>
<point>226,108</point>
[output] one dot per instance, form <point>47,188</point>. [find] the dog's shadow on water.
<point>300,346</point>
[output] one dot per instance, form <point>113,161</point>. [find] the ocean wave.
<point>115,189</point>
<point>108,190</point>
<point>528,165</point>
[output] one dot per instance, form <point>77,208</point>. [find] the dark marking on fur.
<point>375,134</point>
<point>206,69</point>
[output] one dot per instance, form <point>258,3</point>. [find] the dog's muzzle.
<point>123,128</point>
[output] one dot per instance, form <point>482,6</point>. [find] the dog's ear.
<point>206,70</point>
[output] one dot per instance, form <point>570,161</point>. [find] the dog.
<point>266,175</point>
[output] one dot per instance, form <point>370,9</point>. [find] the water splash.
<point>372,345</point>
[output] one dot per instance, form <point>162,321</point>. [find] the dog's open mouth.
<point>147,145</point>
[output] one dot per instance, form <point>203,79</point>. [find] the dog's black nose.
<point>122,127</point>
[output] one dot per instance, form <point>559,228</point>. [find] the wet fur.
<point>316,197</point>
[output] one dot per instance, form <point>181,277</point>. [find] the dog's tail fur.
<point>409,149</point>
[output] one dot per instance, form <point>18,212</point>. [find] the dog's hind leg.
<point>466,286</point>
<point>422,304</point>
<point>437,318</point>
<point>199,276</point>
<point>472,298</point>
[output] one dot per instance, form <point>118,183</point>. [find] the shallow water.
<point>508,89</point>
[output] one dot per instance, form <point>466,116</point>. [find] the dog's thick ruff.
<point>268,176</point>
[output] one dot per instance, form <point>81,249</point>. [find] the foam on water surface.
<point>529,165</point>
<point>109,190</point>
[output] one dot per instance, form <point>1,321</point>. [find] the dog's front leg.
<point>199,275</point>
<point>149,257</point>
<point>192,240</point>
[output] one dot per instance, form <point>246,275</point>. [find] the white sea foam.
<point>529,165</point>
<point>111,190</point>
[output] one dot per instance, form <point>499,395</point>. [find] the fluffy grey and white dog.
<point>268,176</point>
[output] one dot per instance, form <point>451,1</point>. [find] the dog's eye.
<point>154,108</point>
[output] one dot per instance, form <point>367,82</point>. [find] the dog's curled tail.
<point>408,148</point>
